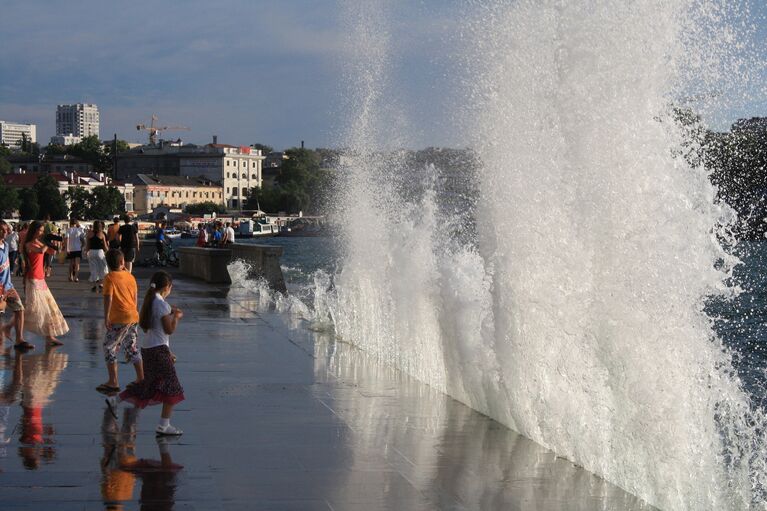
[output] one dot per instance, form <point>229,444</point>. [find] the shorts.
<point>13,301</point>
<point>129,254</point>
<point>124,336</point>
<point>77,254</point>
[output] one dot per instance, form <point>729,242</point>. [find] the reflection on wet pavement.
<point>276,417</point>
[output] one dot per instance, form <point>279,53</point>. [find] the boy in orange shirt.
<point>120,319</point>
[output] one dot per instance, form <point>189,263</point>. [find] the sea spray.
<point>578,317</point>
<point>576,314</point>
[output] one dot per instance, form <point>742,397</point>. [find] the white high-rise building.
<point>12,133</point>
<point>79,120</point>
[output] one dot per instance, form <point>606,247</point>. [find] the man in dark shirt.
<point>127,236</point>
<point>160,239</point>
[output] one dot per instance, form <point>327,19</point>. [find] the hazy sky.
<point>246,70</point>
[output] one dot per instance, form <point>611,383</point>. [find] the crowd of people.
<point>215,234</point>
<point>27,251</point>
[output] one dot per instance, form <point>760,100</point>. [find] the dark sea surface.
<point>741,321</point>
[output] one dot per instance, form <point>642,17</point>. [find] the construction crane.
<point>154,130</point>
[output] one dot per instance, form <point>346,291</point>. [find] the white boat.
<point>172,233</point>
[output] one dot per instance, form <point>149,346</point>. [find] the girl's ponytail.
<point>160,280</point>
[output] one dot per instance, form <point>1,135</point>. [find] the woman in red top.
<point>42,313</point>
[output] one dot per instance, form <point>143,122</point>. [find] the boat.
<point>259,229</point>
<point>172,233</point>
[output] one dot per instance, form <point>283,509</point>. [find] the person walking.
<point>42,315</point>
<point>75,236</point>
<point>127,237</point>
<point>112,231</point>
<point>50,238</point>
<point>95,246</point>
<point>22,236</point>
<point>159,243</point>
<point>13,248</point>
<point>120,319</point>
<point>9,295</point>
<point>160,384</point>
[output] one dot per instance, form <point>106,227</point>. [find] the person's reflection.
<point>39,376</point>
<point>10,392</point>
<point>158,478</point>
<point>119,449</point>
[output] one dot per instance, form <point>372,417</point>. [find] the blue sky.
<point>246,70</point>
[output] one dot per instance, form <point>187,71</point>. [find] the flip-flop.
<point>24,346</point>
<point>107,388</point>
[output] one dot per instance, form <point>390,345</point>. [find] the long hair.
<point>159,281</point>
<point>31,233</point>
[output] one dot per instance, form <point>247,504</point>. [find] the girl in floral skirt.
<point>160,384</point>
<point>42,315</point>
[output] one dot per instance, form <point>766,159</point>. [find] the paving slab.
<point>276,417</point>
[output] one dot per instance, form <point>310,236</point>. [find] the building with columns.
<point>176,192</point>
<point>237,169</point>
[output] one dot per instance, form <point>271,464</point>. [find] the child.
<point>160,384</point>
<point>120,319</point>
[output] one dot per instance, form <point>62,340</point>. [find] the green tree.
<point>80,201</point>
<point>55,149</point>
<point>5,166</point>
<point>107,201</point>
<point>265,149</point>
<point>300,167</point>
<point>91,150</point>
<point>50,200</point>
<point>9,200</point>
<point>29,208</point>
<point>205,208</point>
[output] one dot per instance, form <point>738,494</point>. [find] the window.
<point>244,192</point>
<point>227,163</point>
<point>254,165</point>
<point>253,176</point>
<point>244,175</point>
<point>227,191</point>
<point>227,175</point>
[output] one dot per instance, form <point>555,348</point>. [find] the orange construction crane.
<point>154,130</point>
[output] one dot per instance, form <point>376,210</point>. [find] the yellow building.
<point>175,192</point>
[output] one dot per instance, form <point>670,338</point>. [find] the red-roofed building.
<point>68,180</point>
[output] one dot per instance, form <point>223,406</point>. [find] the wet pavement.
<point>277,417</point>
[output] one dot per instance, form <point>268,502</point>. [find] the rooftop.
<point>163,180</point>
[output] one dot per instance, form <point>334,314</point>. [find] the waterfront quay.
<point>276,417</point>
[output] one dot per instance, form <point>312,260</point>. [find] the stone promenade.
<point>276,418</point>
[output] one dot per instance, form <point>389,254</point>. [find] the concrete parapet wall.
<point>210,264</point>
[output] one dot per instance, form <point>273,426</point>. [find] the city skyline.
<point>267,72</point>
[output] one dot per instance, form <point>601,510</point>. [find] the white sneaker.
<point>168,430</point>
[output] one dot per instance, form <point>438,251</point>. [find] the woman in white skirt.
<point>42,315</point>
<point>96,245</point>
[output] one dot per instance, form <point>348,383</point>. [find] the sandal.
<point>107,388</point>
<point>23,346</point>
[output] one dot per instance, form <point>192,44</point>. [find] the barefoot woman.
<point>42,316</point>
